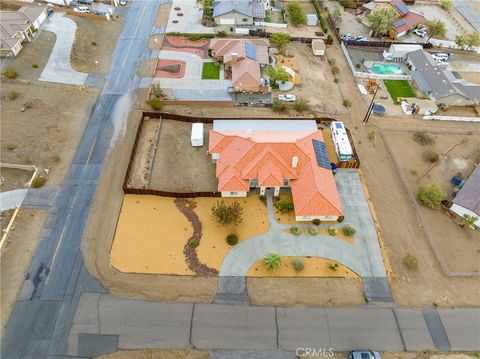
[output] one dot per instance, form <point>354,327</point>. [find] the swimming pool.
<point>386,69</point>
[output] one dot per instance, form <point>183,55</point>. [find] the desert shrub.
<point>430,156</point>
<point>333,231</point>
<point>313,230</point>
<point>414,171</point>
<point>56,158</point>
<point>333,266</point>
<point>298,265</point>
<point>38,182</point>
<point>232,239</point>
<point>347,103</point>
<point>227,213</point>
<point>284,206</point>
<point>302,104</point>
<point>94,43</point>
<point>157,89</point>
<point>340,219</point>
<point>272,262</point>
<point>431,195</point>
<point>446,4</point>
<point>279,106</point>
<point>35,66</point>
<point>336,80</point>
<point>371,135</point>
<point>11,147</point>
<point>193,243</point>
<point>423,138</point>
<point>358,66</point>
<point>12,95</point>
<point>28,104</point>
<point>410,261</point>
<point>156,103</point>
<point>10,72</point>
<point>316,222</point>
<point>335,70</point>
<point>295,230</point>
<point>329,39</point>
<point>332,61</point>
<point>348,230</point>
<point>221,34</point>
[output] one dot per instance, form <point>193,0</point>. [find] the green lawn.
<point>210,71</point>
<point>399,88</point>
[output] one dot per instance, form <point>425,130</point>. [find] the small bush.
<point>358,66</point>
<point>348,230</point>
<point>333,266</point>
<point>193,243</point>
<point>35,66</point>
<point>224,213</point>
<point>12,95</point>
<point>329,39</point>
<point>10,72</point>
<point>272,262</point>
<point>94,43</point>
<point>157,89</point>
<point>11,147</point>
<point>335,70</point>
<point>316,222</point>
<point>280,107</point>
<point>313,230</point>
<point>340,219</point>
<point>284,206</point>
<point>28,104</point>
<point>232,239</point>
<point>298,265</point>
<point>430,156</point>
<point>295,230</point>
<point>371,135</point>
<point>332,62</point>
<point>347,103</point>
<point>302,104</point>
<point>56,158</point>
<point>423,138</point>
<point>38,182</point>
<point>336,80</point>
<point>431,195</point>
<point>410,261</point>
<point>221,34</point>
<point>333,231</point>
<point>156,103</point>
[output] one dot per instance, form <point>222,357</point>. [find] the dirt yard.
<point>16,256</point>
<point>460,247</point>
<point>95,40</point>
<point>13,178</point>
<point>178,166</point>
<point>318,84</point>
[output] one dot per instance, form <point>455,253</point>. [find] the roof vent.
<point>294,162</point>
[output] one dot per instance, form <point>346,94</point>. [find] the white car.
<point>440,57</point>
<point>82,9</point>
<point>287,98</point>
<point>420,32</point>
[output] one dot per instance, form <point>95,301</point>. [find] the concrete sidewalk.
<point>142,324</point>
<point>12,199</point>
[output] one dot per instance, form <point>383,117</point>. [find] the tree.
<point>381,20</point>
<point>431,195</point>
<point>281,39</point>
<point>337,15</point>
<point>272,261</point>
<point>446,4</point>
<point>472,39</point>
<point>296,14</point>
<point>277,73</point>
<point>284,206</point>
<point>469,220</point>
<point>435,28</point>
<point>226,214</point>
<point>461,41</point>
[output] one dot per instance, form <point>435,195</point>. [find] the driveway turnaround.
<point>188,19</point>
<point>58,68</point>
<point>143,324</point>
<point>12,199</point>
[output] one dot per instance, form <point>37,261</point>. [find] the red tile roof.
<point>256,155</point>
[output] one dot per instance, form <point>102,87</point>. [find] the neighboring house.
<point>276,155</point>
<point>439,84</point>
<point>228,14</point>
<point>17,27</point>
<point>245,59</point>
<point>467,200</point>
<point>405,20</point>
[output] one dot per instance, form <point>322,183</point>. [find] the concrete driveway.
<point>190,22</point>
<point>58,68</point>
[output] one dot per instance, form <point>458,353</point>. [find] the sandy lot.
<point>14,178</point>
<point>103,34</point>
<point>459,247</point>
<point>314,267</point>
<point>157,354</point>
<point>16,256</point>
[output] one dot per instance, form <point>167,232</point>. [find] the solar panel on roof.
<point>321,154</point>
<point>251,51</point>
<point>402,8</point>
<point>399,23</point>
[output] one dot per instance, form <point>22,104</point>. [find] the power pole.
<point>370,107</point>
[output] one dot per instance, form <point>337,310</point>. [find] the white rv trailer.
<point>341,142</point>
<point>197,135</point>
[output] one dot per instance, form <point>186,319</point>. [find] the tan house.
<point>230,14</point>
<point>17,27</point>
<point>245,59</point>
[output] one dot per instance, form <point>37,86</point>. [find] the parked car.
<point>85,2</point>
<point>82,9</point>
<point>361,39</point>
<point>123,2</point>
<point>363,354</point>
<point>440,56</point>
<point>287,97</point>
<point>420,32</point>
<point>348,37</point>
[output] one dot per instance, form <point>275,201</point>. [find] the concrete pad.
<point>12,199</point>
<point>92,345</point>
<point>217,326</point>
<point>302,328</point>
<point>372,328</point>
<point>414,330</point>
<point>462,327</point>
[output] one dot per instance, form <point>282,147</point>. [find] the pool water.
<point>386,69</point>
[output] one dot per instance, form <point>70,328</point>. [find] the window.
<point>286,182</point>
<point>245,19</point>
<point>254,182</point>
<point>233,193</point>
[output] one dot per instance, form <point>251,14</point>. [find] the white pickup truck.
<point>287,98</point>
